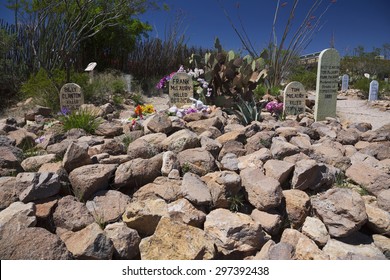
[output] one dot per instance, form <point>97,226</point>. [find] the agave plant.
<point>248,111</point>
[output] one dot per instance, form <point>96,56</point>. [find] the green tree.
<point>58,28</point>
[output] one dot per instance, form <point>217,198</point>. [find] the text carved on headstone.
<point>294,99</point>
<point>71,97</point>
<point>327,83</point>
<point>181,89</point>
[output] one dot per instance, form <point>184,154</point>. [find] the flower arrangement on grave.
<point>275,108</point>
<point>201,86</point>
<point>196,107</point>
<point>140,113</point>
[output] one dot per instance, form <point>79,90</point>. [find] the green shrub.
<point>363,85</point>
<point>45,90</point>
<point>84,119</point>
<point>306,77</point>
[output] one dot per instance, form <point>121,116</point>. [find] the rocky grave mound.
<point>198,187</point>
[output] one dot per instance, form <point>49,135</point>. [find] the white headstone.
<point>327,84</point>
<point>344,82</point>
<point>71,97</point>
<point>181,89</point>
<point>90,67</point>
<point>128,79</point>
<point>373,93</point>
<point>367,75</point>
<point>294,99</point>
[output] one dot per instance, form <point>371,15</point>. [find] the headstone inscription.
<point>294,99</point>
<point>345,82</point>
<point>71,97</point>
<point>327,83</point>
<point>373,93</point>
<point>181,89</point>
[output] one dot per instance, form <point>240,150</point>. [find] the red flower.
<point>138,111</point>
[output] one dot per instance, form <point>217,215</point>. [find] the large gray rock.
<point>306,249</point>
<point>144,215</point>
<point>315,229</point>
<point>138,172</point>
<point>264,193</point>
<point>280,148</point>
<point>10,158</point>
<point>89,243</point>
<point>195,190</point>
<point>125,240</point>
<point>180,141</point>
<point>378,219</point>
<point>384,200</point>
<point>140,148</point>
<point>38,185</point>
<point>169,162</point>
<point>177,241</point>
<point>310,175</point>
<point>255,159</point>
<point>372,179</point>
<point>17,216</point>
<point>203,125</point>
<point>35,162</point>
<point>342,211</point>
<point>211,145</point>
<point>160,122</point>
<point>163,187</point>
<point>278,169</point>
<point>75,156</point>
<point>71,214</point>
<point>262,139</point>
<point>222,186</point>
<point>270,222</point>
<point>23,138</point>
<point>183,211</point>
<point>107,206</point>
<point>89,179</point>
<point>109,129</point>
<point>8,192</point>
<point>234,232</point>
<point>281,251</point>
<point>297,206</point>
<point>232,147</point>
<point>338,250</point>
<point>33,244</point>
<point>348,136</point>
<point>197,160</point>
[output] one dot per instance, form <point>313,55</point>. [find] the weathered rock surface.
<point>8,192</point>
<point>38,185</point>
<point>234,232</point>
<point>125,240</point>
<point>372,179</point>
<point>222,185</point>
<point>315,229</point>
<point>342,211</point>
<point>71,214</point>
<point>181,140</point>
<point>264,193</point>
<point>89,179</point>
<point>35,162</point>
<point>107,206</point>
<point>278,169</point>
<point>33,243</point>
<point>138,172</point>
<point>195,190</point>
<point>197,161</point>
<point>183,211</point>
<point>145,215</point>
<point>76,155</point>
<point>297,206</point>
<point>89,243</point>
<point>338,250</point>
<point>177,241</point>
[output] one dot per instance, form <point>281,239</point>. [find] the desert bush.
<point>83,118</point>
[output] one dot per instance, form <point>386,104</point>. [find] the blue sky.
<point>352,22</point>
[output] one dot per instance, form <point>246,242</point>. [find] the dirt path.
<point>350,111</point>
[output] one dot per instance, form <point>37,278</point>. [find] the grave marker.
<point>71,97</point>
<point>373,93</point>
<point>90,67</point>
<point>344,82</point>
<point>327,84</point>
<point>294,99</point>
<point>181,89</point>
<point>128,79</point>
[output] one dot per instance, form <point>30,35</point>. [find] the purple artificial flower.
<point>65,111</point>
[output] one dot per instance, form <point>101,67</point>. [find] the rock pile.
<point>202,187</point>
